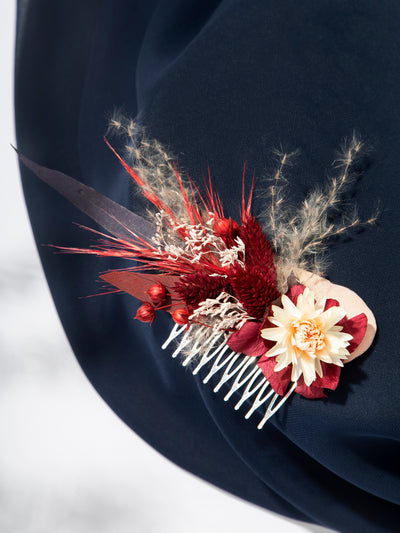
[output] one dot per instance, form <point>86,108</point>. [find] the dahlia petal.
<point>336,328</point>
<point>290,307</point>
<point>331,316</point>
<point>276,350</point>
<point>337,362</point>
<point>297,372</point>
<point>326,358</point>
<point>337,340</point>
<point>318,368</point>
<point>306,302</point>
<point>278,321</point>
<point>320,306</point>
<point>281,317</point>
<point>308,370</point>
<point>272,334</point>
<point>282,361</point>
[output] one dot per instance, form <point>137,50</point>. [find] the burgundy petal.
<point>247,340</point>
<point>279,381</point>
<point>331,375</point>
<point>330,302</point>
<point>329,380</point>
<point>294,292</point>
<point>356,326</point>
<point>313,392</point>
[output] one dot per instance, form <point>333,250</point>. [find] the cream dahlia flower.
<point>305,335</point>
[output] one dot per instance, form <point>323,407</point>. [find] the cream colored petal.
<point>275,321</point>
<point>336,341</point>
<point>296,372</point>
<point>343,353</point>
<point>344,337</point>
<point>331,316</point>
<point>318,368</point>
<point>305,302</point>
<point>273,334</point>
<point>337,362</point>
<point>320,306</point>
<point>293,354</point>
<point>276,350</point>
<point>282,362</point>
<point>282,316</point>
<point>290,307</point>
<point>325,357</point>
<point>308,371</point>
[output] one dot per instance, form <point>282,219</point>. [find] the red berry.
<point>226,227</point>
<point>157,293</point>
<point>181,316</point>
<point>146,313</point>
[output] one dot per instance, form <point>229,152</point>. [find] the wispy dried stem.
<point>154,165</point>
<point>301,239</point>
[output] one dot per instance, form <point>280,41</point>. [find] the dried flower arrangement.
<point>253,312</point>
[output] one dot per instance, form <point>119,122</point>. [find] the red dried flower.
<point>195,288</point>
<point>258,248</point>
<point>157,293</point>
<point>181,316</point>
<point>146,313</point>
<point>255,288</point>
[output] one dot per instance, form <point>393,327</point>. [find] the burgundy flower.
<point>195,288</point>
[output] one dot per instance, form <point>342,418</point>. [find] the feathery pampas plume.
<point>300,236</point>
<point>154,165</point>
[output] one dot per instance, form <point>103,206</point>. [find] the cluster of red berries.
<point>158,295</point>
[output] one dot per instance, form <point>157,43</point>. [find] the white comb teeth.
<point>232,368</point>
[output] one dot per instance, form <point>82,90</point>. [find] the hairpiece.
<point>251,311</point>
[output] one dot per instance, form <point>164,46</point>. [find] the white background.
<point>67,463</point>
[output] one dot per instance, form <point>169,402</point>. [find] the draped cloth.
<point>220,83</point>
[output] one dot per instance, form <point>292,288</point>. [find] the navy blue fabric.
<point>220,83</point>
